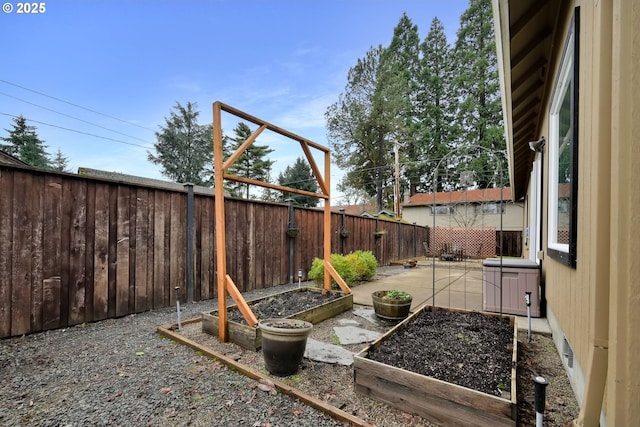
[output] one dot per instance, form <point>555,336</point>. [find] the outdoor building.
<point>472,208</point>
<point>570,80</point>
<point>8,159</point>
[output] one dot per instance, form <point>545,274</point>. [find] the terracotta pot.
<point>390,309</point>
<point>283,344</point>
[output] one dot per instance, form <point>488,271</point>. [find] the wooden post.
<point>221,252</point>
<point>327,220</point>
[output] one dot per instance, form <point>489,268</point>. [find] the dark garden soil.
<point>283,305</point>
<point>469,349</point>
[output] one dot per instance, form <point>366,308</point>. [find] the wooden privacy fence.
<point>76,249</point>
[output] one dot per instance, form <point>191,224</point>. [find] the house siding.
<point>594,305</point>
<point>511,220</point>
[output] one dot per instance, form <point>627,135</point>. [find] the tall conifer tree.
<point>184,148</point>
<point>477,90</point>
<point>435,105</point>
<point>23,142</point>
<point>252,164</point>
<point>299,176</point>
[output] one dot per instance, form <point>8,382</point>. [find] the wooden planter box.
<point>438,401</point>
<point>250,337</point>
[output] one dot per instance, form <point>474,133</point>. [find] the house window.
<point>490,208</point>
<point>563,154</point>
<point>441,210</point>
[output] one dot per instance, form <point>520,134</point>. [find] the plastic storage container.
<point>518,277</point>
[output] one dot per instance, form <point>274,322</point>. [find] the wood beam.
<point>221,252</point>
<point>276,186</point>
<point>242,304</point>
<point>246,144</point>
<point>314,167</point>
<point>271,127</point>
<point>336,276</point>
<point>534,43</point>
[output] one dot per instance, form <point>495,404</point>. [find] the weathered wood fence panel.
<point>75,249</point>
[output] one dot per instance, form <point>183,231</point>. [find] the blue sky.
<point>112,70</point>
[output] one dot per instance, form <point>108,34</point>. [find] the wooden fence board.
<point>77,253</point>
<point>250,246</point>
<point>150,249</point>
<point>177,248</point>
<point>37,199</point>
<point>113,249</point>
<point>133,202</point>
<point>6,251</point>
<point>158,251</point>
<point>100,253</point>
<point>21,271</point>
<point>122,256</point>
<point>52,243</point>
<point>141,260</point>
<point>90,238</point>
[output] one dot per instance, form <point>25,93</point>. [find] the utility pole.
<point>397,186</point>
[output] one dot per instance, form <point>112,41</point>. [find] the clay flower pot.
<point>283,344</point>
<point>391,305</point>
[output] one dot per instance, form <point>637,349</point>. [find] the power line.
<point>73,117</point>
<point>76,105</point>
<point>78,131</point>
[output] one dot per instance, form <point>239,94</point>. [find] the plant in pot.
<point>293,232</point>
<point>391,305</point>
<point>283,344</point>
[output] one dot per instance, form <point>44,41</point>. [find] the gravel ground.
<point>120,372</point>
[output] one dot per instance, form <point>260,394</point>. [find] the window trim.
<point>499,206</point>
<point>449,210</point>
<point>565,253</point>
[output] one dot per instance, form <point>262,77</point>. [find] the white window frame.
<point>567,80</point>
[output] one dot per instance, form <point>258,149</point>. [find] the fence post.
<point>399,228</point>
<point>341,231</point>
<point>415,248</point>
<point>377,238</point>
<point>290,225</point>
<point>189,187</point>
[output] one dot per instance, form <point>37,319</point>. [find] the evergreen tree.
<point>435,106</point>
<point>299,176</point>
<point>23,142</point>
<point>400,64</point>
<point>184,148</point>
<point>252,164</point>
<point>60,162</point>
<point>477,90</point>
<point>361,127</point>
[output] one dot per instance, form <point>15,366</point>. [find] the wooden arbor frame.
<point>225,283</point>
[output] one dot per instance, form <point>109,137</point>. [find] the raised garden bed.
<point>434,365</point>
<point>318,307</point>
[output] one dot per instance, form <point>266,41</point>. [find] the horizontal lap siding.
<point>75,249</point>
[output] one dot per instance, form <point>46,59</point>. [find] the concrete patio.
<point>457,285</point>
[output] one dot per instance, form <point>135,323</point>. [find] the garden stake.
<point>178,307</point>
<point>527,299</point>
<point>540,387</point>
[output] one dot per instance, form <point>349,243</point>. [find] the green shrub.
<point>342,266</point>
<point>355,267</point>
<point>366,266</point>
